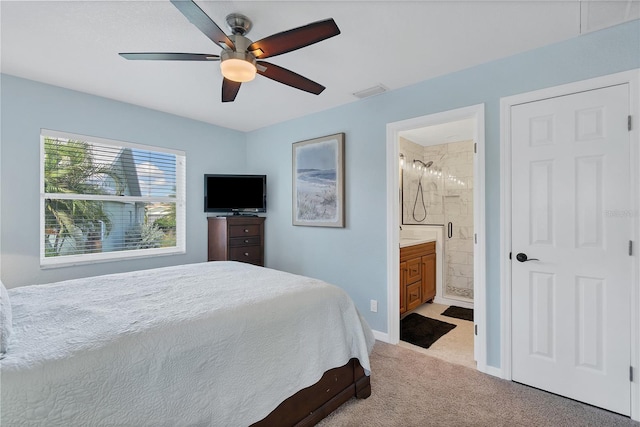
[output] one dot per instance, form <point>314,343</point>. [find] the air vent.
<point>596,15</point>
<point>365,93</point>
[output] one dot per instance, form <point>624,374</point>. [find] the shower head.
<point>422,164</point>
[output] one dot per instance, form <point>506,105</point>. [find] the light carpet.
<point>412,389</point>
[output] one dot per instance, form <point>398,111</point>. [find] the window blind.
<point>104,199</point>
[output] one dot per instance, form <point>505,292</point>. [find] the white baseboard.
<point>490,370</point>
<point>451,301</point>
<point>381,336</point>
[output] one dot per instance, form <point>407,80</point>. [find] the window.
<point>104,199</point>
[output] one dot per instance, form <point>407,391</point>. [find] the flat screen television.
<point>235,194</point>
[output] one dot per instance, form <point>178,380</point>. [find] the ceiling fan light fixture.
<point>238,70</point>
<point>238,66</point>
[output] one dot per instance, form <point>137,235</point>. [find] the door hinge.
<point>631,373</point>
<point>509,255</point>
<point>475,329</point>
<point>475,238</point>
<point>630,247</point>
<point>629,122</point>
<point>475,144</point>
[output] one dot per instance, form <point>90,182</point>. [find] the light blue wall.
<point>28,106</point>
<point>355,257</point>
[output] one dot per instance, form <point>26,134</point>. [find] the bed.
<point>217,343</point>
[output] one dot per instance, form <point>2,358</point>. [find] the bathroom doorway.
<point>440,193</point>
<point>436,193</point>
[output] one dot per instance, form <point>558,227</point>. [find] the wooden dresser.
<point>236,238</point>
<point>417,275</point>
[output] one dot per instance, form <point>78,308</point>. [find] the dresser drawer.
<point>245,253</point>
<point>244,241</point>
<point>244,230</point>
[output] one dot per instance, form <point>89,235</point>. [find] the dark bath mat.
<point>459,313</point>
<point>422,331</point>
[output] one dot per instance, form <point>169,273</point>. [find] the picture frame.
<point>318,181</point>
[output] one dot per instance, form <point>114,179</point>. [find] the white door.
<point>571,216</point>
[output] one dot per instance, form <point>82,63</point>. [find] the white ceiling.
<point>75,44</point>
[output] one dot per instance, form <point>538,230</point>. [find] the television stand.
<point>236,238</point>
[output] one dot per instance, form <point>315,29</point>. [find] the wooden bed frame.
<point>310,405</point>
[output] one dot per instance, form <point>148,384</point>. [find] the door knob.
<point>523,258</point>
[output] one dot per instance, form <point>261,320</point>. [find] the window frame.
<point>179,200</point>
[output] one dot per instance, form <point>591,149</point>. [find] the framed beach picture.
<point>318,181</point>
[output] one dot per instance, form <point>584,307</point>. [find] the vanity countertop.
<point>415,241</point>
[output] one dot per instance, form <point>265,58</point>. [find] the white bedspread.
<point>215,343</point>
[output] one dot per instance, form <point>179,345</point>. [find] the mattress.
<point>217,343</point>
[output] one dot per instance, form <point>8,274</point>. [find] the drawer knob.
<point>246,240</point>
<point>246,230</point>
<point>246,254</point>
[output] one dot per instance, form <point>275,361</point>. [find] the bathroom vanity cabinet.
<point>417,275</point>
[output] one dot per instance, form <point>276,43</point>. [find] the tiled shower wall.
<point>414,210</point>
<point>447,196</point>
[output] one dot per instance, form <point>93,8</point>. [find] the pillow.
<point>5,319</point>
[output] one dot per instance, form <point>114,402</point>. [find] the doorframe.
<point>393,220</point>
<point>632,78</point>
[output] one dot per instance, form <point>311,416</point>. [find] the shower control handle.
<point>523,258</point>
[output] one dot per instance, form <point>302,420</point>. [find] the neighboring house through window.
<point>103,199</point>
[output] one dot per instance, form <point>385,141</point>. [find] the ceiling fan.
<point>241,58</point>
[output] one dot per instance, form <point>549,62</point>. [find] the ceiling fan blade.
<point>296,38</point>
<point>161,56</point>
<point>229,89</point>
<point>197,17</point>
<point>289,78</point>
